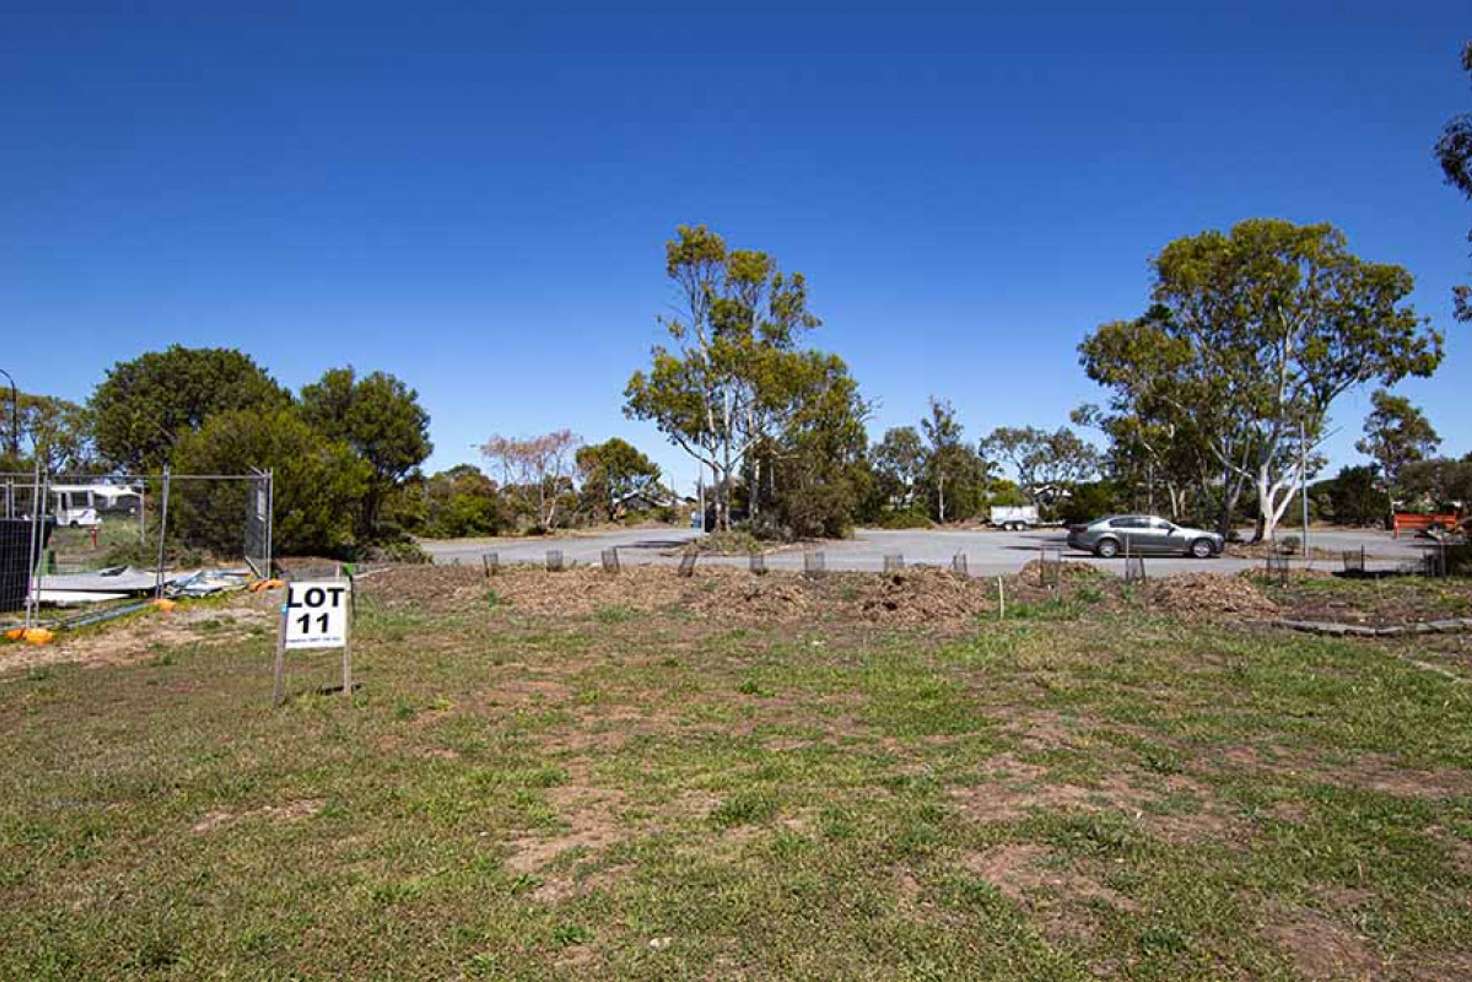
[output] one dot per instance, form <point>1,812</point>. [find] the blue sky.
<point>476,197</point>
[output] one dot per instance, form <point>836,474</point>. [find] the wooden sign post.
<point>315,614</point>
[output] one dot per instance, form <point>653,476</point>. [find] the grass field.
<point>624,793</point>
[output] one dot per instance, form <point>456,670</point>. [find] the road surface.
<point>988,552</point>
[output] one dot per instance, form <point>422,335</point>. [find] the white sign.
<point>317,614</point>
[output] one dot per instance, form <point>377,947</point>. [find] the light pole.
<point>14,415</point>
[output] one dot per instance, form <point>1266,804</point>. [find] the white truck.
<point>1014,518</point>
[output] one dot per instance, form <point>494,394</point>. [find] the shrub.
<point>905,519</point>
<point>318,484</point>
<point>404,551</point>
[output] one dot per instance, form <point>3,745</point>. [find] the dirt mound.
<point>430,587</point>
<point>1032,572</point>
<point>918,595</point>
<point>782,597</point>
<point>1211,594</point>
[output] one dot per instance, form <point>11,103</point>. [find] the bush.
<point>904,519</point>
<point>1088,501</point>
<point>319,484</point>
<point>404,551</point>
<point>737,542</point>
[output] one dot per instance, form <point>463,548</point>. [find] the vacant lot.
<point>582,775</point>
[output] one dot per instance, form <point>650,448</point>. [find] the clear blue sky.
<point>476,198</point>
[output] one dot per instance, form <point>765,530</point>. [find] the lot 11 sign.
<point>317,614</point>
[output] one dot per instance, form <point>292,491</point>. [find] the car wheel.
<point>1202,549</point>
<point>1106,549</point>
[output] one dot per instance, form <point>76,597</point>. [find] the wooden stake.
<point>278,694</point>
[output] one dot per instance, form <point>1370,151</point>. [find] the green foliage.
<point>318,483</point>
<point>899,466</point>
<point>613,473</point>
<point>54,430</point>
<point>1045,462</point>
<point>734,377</point>
<point>908,518</point>
<point>1088,501</point>
<point>1454,154</point>
<point>1396,434</point>
<point>1355,497</point>
<point>1432,485</point>
<point>454,503</point>
<point>817,474</point>
<point>1253,335</point>
<point>380,418</point>
<point>145,406</point>
<point>954,477</point>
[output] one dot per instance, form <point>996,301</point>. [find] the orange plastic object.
<point>164,605</point>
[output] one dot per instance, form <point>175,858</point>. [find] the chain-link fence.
<point>98,545</point>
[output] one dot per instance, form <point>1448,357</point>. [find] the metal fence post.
<point>163,531</point>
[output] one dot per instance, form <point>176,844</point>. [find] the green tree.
<point>1044,462</point>
<point>1435,484</point>
<point>55,431</point>
<point>1356,496</point>
<point>613,473</point>
<point>143,407</point>
<point>381,419</point>
<point>1454,154</point>
<point>1258,331</point>
<point>319,484</point>
<point>955,476</point>
<point>454,503</point>
<point>722,389</point>
<point>1155,449</point>
<point>1396,434</point>
<point>817,473</point>
<point>899,466</point>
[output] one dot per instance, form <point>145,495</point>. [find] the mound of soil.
<point>1209,594</point>
<point>1032,572</point>
<point>918,595</point>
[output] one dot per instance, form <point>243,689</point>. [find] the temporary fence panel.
<point>258,508</point>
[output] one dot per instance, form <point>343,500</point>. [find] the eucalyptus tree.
<point>725,384</point>
<point>1255,333</point>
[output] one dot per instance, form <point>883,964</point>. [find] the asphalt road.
<point>987,552</point>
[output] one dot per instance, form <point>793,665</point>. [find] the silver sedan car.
<point>1142,535</point>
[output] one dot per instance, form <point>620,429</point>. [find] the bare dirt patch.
<point>291,811</point>
<point>1019,869</point>
<point>1368,772</point>
<point>1320,947</point>
<point>145,634</point>
<point>1373,603</point>
<point>592,816</point>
